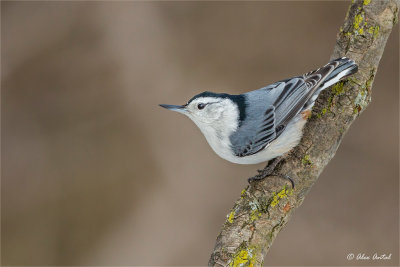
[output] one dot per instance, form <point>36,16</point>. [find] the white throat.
<point>217,132</point>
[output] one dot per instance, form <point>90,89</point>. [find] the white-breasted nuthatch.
<point>261,125</point>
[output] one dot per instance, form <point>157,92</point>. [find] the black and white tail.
<point>343,67</point>
<point>328,75</point>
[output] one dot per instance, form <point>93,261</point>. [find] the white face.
<point>217,118</point>
<point>206,110</point>
<point>213,115</point>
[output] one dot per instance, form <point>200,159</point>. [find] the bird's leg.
<point>269,171</point>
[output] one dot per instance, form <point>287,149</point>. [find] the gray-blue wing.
<point>269,110</point>
<point>254,134</point>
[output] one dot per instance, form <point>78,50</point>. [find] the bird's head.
<point>210,110</point>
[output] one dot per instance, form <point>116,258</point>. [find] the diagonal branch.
<point>265,206</point>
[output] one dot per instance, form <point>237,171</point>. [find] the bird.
<point>264,124</point>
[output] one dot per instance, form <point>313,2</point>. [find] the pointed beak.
<point>181,109</point>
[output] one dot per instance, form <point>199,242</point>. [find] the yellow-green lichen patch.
<point>231,216</point>
<point>243,193</point>
<point>357,21</point>
<point>374,30</point>
<point>361,25</point>
<point>244,257</point>
<point>306,159</point>
<point>276,197</point>
<point>255,215</point>
<point>255,212</point>
<point>366,2</point>
<point>325,110</point>
<point>338,88</point>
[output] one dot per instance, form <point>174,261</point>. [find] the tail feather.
<point>334,71</point>
<point>346,68</point>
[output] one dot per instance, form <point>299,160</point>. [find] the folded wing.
<point>270,109</point>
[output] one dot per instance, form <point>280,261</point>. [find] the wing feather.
<point>283,101</point>
<point>250,142</point>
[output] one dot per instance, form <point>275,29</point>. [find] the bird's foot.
<point>269,171</point>
<point>284,176</point>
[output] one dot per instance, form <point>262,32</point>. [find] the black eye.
<point>201,106</point>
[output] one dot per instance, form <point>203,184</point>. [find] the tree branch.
<point>265,206</point>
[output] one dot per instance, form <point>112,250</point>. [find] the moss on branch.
<point>265,206</point>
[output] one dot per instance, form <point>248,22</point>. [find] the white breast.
<point>284,143</point>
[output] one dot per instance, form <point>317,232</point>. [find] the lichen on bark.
<point>264,207</point>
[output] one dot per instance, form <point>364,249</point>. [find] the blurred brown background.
<point>95,173</point>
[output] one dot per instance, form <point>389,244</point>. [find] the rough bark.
<point>266,206</point>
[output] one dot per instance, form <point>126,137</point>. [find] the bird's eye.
<point>201,106</point>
